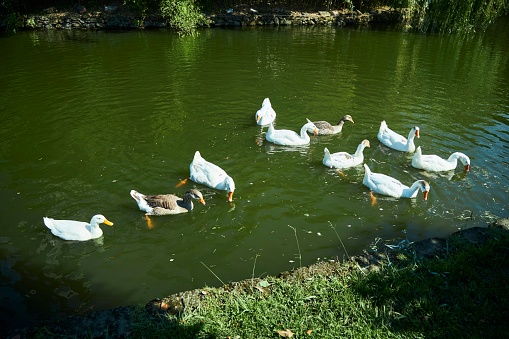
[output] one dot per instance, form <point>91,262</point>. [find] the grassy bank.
<point>434,288</point>
<point>463,293</point>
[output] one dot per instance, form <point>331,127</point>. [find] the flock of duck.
<point>208,174</point>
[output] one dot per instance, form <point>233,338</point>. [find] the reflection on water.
<point>128,111</point>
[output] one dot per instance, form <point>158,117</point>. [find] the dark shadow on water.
<point>462,292</point>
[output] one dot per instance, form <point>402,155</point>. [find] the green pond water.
<point>88,116</point>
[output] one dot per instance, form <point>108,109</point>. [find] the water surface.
<point>88,116</point>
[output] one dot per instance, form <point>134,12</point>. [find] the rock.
<point>80,9</point>
<point>500,223</point>
<point>474,235</point>
<point>110,9</point>
<point>431,248</point>
<point>50,10</point>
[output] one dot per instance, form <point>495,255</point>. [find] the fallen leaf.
<point>264,283</point>
<point>286,333</point>
<point>308,332</point>
<point>164,306</point>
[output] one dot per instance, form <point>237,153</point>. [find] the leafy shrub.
<point>183,15</point>
<point>11,22</point>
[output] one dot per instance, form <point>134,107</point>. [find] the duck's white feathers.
<point>396,141</point>
<point>386,185</point>
<point>266,114</point>
<point>164,204</point>
<point>77,230</point>
<point>433,163</point>
<point>211,175</point>
<point>287,137</point>
<point>343,160</point>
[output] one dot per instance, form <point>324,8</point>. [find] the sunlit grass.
<point>464,294</point>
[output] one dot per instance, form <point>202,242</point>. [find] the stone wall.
<point>98,20</point>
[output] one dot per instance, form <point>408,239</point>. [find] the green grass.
<point>464,294</point>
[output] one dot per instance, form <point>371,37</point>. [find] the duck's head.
<point>195,194</point>
<point>258,116</point>
<point>311,128</point>
<point>424,188</point>
<point>416,129</point>
<point>346,118</point>
<point>100,219</point>
<point>230,188</point>
<point>466,162</point>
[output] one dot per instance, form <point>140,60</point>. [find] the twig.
<point>298,246</point>
<point>201,262</point>
<point>254,265</point>
<point>341,241</point>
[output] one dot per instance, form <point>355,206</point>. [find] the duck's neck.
<point>186,202</point>
<point>457,156</point>
<point>304,132</point>
<point>410,141</point>
<point>271,128</point>
<point>411,137</point>
<point>359,150</point>
<point>411,191</point>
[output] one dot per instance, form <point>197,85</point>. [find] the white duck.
<point>325,128</point>
<point>266,114</point>
<point>386,185</point>
<point>395,141</point>
<point>208,174</point>
<point>77,230</point>
<point>290,138</point>
<point>433,163</point>
<point>163,204</point>
<point>342,160</point>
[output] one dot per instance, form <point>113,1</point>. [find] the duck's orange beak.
<point>202,201</point>
<point>230,196</point>
<point>426,195</point>
<point>467,167</point>
<point>417,133</point>
<point>107,222</point>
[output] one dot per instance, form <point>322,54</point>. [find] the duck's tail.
<point>366,168</point>
<point>48,222</point>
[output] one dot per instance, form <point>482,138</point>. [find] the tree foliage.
<point>445,16</point>
<point>452,16</point>
<point>183,15</point>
